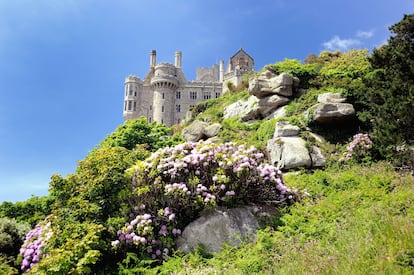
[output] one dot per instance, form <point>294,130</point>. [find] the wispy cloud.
<point>344,44</point>
<point>364,34</point>
<point>337,43</point>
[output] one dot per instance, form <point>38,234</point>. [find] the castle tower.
<point>164,84</point>
<point>133,92</point>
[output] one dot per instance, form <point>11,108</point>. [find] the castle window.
<point>206,95</point>
<point>193,95</point>
<point>191,106</point>
<point>177,94</point>
<point>163,96</point>
<point>150,119</point>
<point>129,105</point>
<point>162,108</point>
<point>131,92</point>
<point>125,105</point>
<point>150,107</point>
<point>217,94</point>
<point>135,93</point>
<point>135,105</point>
<point>178,108</point>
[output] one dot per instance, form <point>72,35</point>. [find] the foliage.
<point>360,219</point>
<point>305,72</point>
<point>175,184</point>
<point>212,109</point>
<point>11,239</point>
<point>32,248</point>
<point>358,149</point>
<point>138,131</point>
<point>31,211</point>
<point>389,101</point>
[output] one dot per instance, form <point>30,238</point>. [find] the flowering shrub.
<point>358,148</point>
<point>172,186</point>
<point>31,250</point>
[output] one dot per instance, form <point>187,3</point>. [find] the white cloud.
<point>337,43</point>
<point>364,34</point>
<point>344,44</point>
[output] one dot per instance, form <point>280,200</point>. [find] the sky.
<point>63,62</point>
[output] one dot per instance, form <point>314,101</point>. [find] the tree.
<point>389,99</point>
<point>139,131</point>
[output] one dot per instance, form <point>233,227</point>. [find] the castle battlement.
<point>165,95</point>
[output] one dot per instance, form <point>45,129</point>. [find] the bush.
<point>175,184</point>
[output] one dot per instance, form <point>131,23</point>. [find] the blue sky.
<point>63,62</point>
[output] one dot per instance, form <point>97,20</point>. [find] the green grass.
<point>359,220</point>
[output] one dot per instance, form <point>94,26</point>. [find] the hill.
<point>133,195</point>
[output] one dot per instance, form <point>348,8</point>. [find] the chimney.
<point>153,58</point>
<point>178,58</point>
<point>221,71</point>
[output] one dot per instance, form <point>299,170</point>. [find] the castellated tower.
<point>164,85</point>
<point>166,96</point>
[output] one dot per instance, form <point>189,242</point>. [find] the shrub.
<point>175,184</point>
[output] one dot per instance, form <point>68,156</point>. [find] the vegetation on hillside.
<point>133,194</point>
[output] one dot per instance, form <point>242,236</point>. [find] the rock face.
<point>331,108</point>
<point>254,108</point>
<point>217,227</point>
<point>269,84</point>
<point>245,109</point>
<point>284,129</point>
<point>287,150</point>
<point>200,130</point>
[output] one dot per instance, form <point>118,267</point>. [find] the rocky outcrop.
<point>268,93</point>
<point>269,84</point>
<point>330,109</point>
<point>217,227</point>
<point>287,150</point>
<point>199,130</point>
<point>285,129</point>
<point>254,108</point>
<point>245,109</point>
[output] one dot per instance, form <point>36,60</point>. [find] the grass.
<point>359,220</point>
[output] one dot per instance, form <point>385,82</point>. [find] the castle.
<point>165,95</point>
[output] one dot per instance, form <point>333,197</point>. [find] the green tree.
<point>139,131</point>
<point>389,101</point>
<point>12,235</point>
<point>32,210</point>
<point>346,71</point>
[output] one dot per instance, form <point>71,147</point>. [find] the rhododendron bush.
<point>172,186</point>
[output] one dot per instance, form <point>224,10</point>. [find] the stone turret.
<point>133,91</point>
<point>164,84</point>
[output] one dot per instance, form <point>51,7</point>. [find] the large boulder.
<point>288,152</point>
<point>285,129</point>
<point>331,98</point>
<point>268,84</point>
<point>278,113</point>
<point>254,108</point>
<point>245,109</point>
<point>217,227</point>
<point>199,130</point>
<point>326,113</point>
<point>268,104</point>
<point>318,159</point>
